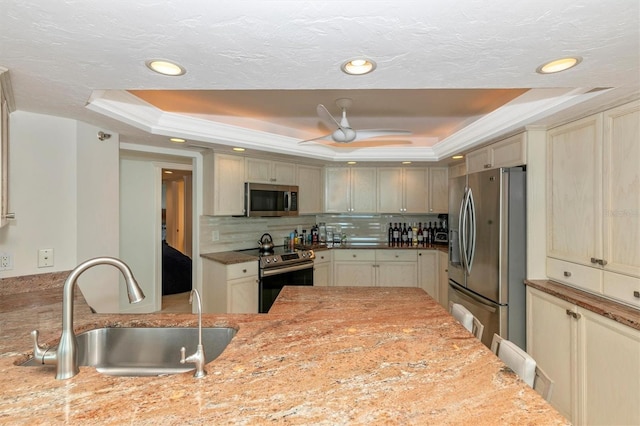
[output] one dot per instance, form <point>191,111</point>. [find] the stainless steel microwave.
<point>263,199</point>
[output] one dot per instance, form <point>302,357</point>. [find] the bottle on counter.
<point>322,233</point>
<point>409,236</point>
<point>420,235</point>
<point>314,234</point>
<point>414,242</point>
<point>429,235</point>
<point>396,235</point>
<point>390,235</point>
<point>404,235</point>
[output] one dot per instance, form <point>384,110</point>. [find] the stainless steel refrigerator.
<point>487,250</point>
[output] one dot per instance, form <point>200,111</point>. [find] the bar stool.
<point>523,365</point>
<point>467,319</point>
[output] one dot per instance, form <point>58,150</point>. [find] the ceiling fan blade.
<point>325,115</point>
<point>328,137</point>
<point>375,133</point>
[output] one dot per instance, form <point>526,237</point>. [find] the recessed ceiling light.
<point>558,65</point>
<point>406,162</point>
<point>238,149</point>
<point>165,67</point>
<point>457,157</point>
<point>358,66</point>
<point>177,140</point>
<point>351,162</point>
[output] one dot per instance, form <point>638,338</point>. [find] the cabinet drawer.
<point>397,255</point>
<point>355,255</point>
<point>575,275</point>
<point>322,256</point>
<point>242,270</point>
<point>623,288</point>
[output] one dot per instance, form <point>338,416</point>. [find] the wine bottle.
<point>420,235</point>
<point>390,235</point>
<point>404,235</point>
<point>409,236</point>
<point>396,234</point>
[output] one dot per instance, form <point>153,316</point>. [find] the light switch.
<point>45,258</point>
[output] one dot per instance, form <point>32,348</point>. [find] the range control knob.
<point>275,259</point>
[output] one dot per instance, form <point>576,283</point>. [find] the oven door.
<point>272,280</point>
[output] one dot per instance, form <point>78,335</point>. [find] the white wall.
<point>42,193</point>
<point>63,188</point>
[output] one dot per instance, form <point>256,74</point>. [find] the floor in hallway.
<point>176,303</point>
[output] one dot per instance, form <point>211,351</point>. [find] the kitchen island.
<point>323,355</point>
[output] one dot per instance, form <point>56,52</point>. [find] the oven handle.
<point>285,269</point>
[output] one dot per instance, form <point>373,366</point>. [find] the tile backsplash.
<point>234,233</point>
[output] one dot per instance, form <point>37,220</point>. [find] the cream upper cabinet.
<point>438,190</point>
<point>310,189</point>
<point>350,190</point>
<point>593,199</point>
<point>403,190</point>
<point>268,171</point>
<point>223,184</point>
<point>593,361</point>
<point>505,153</point>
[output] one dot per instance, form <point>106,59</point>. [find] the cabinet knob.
<point>487,166</point>
<point>573,314</point>
<point>636,294</point>
<point>354,255</point>
<point>244,271</point>
<point>567,273</point>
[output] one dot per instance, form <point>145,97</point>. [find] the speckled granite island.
<point>322,356</point>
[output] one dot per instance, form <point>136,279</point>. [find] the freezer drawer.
<point>491,315</point>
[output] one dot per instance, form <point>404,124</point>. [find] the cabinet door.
<point>242,295</point>
<point>443,279</point>
<point>416,190</point>
<point>551,337</point>
<point>397,274</point>
<point>228,193</point>
<point>509,152</point>
<point>283,173</point>
<point>428,272</point>
<point>621,189</point>
<point>610,371</point>
<point>359,274</point>
<point>478,160</point>
<point>389,190</point>
<point>337,190</point>
<point>574,184</point>
<point>363,190</point>
<point>311,188</point>
<point>438,190</point>
<point>323,269</point>
<point>258,170</point>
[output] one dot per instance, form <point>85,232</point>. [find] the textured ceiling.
<point>257,69</point>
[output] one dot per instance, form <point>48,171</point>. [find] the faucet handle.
<point>44,355</point>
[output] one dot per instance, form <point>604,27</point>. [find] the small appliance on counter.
<point>442,233</point>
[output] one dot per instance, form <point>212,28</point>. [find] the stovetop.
<point>280,256</point>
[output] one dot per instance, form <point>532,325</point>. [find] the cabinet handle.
<point>600,262</point>
<point>636,294</point>
<point>487,166</point>
<point>567,273</point>
<point>573,314</point>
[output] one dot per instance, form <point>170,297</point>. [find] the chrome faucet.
<point>65,355</point>
<point>197,357</point>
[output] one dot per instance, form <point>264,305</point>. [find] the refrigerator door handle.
<point>488,306</point>
<point>472,231</point>
<point>462,234</point>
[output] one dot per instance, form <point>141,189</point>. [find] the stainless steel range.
<point>278,268</point>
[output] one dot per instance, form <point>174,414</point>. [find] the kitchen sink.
<point>139,351</point>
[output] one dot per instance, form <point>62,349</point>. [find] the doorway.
<point>177,242</point>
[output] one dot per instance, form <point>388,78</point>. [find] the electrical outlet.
<point>45,258</point>
<point>6,261</point>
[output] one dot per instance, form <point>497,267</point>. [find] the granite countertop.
<point>233,257</point>
<point>602,306</point>
<point>324,355</point>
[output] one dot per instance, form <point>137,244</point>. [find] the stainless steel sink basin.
<point>136,351</point>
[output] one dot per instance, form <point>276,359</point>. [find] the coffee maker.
<point>442,234</point>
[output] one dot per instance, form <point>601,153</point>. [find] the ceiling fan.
<point>345,133</point>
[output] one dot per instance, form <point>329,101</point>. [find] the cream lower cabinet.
<point>382,268</point>
<point>594,361</point>
<point>230,288</point>
<point>433,275</point>
<point>323,268</point>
